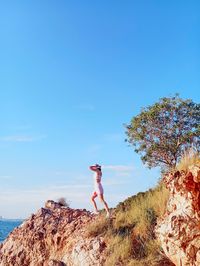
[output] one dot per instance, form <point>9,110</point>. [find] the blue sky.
<point>71,74</point>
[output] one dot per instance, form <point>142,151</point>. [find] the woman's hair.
<point>98,166</point>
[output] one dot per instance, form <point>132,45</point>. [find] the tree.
<point>161,132</point>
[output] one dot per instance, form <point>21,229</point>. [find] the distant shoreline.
<point>11,219</point>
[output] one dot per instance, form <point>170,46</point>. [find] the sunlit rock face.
<point>54,236</point>
<point>179,229</point>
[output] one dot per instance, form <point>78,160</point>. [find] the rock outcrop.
<point>179,229</point>
<point>54,236</point>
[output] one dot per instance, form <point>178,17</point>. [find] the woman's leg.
<point>93,201</point>
<point>104,202</point>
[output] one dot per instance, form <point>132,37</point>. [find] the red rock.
<point>54,236</point>
<point>179,230</point>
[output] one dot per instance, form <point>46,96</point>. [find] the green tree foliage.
<point>161,132</point>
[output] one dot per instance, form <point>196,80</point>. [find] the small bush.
<point>62,201</point>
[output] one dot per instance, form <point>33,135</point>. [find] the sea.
<point>6,226</point>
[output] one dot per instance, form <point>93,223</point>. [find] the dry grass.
<point>119,250</point>
<point>191,157</point>
<point>99,227</point>
<point>130,234</point>
<point>143,210</point>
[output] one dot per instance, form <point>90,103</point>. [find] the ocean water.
<point>6,226</point>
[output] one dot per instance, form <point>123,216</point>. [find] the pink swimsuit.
<point>98,189</point>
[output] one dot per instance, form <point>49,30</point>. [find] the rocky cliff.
<point>54,236</point>
<point>179,229</point>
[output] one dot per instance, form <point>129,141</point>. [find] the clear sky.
<point>72,73</point>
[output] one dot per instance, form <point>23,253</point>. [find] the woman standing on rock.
<point>98,189</point>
